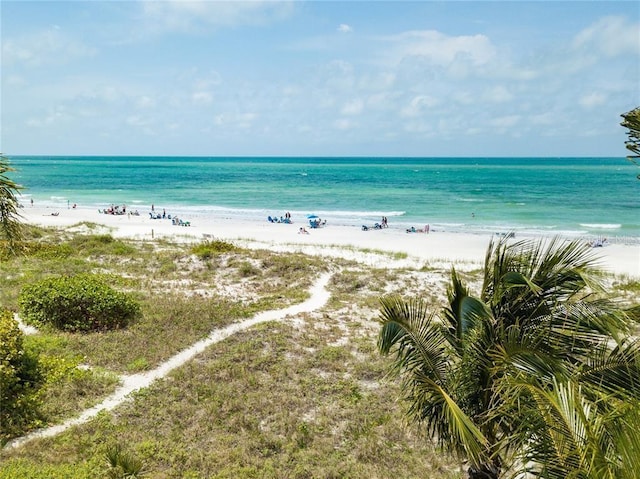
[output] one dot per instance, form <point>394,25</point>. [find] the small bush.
<point>77,303</point>
<point>49,250</point>
<point>208,249</point>
<point>123,464</point>
<point>101,244</point>
<point>19,380</point>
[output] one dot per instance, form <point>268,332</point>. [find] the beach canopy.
<point>312,216</point>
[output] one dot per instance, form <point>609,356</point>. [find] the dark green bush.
<point>84,302</point>
<point>19,380</point>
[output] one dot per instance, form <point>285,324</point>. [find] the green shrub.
<point>101,244</point>
<point>49,250</point>
<point>123,464</point>
<point>208,249</point>
<point>84,302</point>
<point>19,380</point>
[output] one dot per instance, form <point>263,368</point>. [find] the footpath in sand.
<point>135,382</point>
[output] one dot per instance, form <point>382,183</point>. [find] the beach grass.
<point>308,399</point>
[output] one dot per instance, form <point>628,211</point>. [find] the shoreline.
<point>388,247</point>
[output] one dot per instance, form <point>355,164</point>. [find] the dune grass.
<point>281,400</point>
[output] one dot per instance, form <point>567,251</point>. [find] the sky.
<point>318,78</point>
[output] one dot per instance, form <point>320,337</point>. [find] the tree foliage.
<point>20,379</point>
<point>10,220</point>
<point>84,302</point>
<point>631,121</point>
<point>492,377</point>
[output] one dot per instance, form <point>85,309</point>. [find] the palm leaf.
<point>10,218</point>
<point>417,340</point>
<point>463,313</point>
<point>615,372</point>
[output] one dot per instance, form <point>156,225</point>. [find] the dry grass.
<point>305,398</point>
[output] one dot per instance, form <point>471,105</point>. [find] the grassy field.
<point>295,399</point>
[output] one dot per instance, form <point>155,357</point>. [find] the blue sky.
<point>322,78</point>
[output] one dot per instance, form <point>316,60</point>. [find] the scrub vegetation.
<point>305,397</point>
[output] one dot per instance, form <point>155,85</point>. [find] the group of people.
<point>384,223</point>
<point>599,243</point>
<point>117,210</point>
<point>179,222</point>
<point>161,216</point>
<point>158,216</point>
<point>285,219</point>
<point>317,222</point>
<point>418,230</point>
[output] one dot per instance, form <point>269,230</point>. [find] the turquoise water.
<point>574,196</point>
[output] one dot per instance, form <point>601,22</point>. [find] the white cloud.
<point>419,105</point>
<point>235,120</point>
<point>339,75</point>
<point>312,75</point>
<point>53,116</point>
<point>610,36</point>
<point>145,102</point>
<point>353,107</point>
<point>202,98</point>
<point>343,124</point>
<point>199,15</point>
<point>498,94</point>
<point>48,47</point>
<point>545,119</point>
<point>463,97</point>
<point>593,100</point>
<point>504,122</point>
<point>136,120</point>
<point>438,48</point>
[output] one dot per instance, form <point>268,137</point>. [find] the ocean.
<point>564,196</point>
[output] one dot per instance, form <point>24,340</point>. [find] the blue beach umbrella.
<point>312,216</point>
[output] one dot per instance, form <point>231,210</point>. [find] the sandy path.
<point>135,382</point>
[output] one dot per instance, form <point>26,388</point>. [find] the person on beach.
<point>303,231</point>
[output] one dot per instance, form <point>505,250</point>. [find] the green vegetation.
<point>631,121</point>
<point>10,224</point>
<point>122,464</point>
<point>83,302</point>
<point>209,249</point>
<point>20,380</point>
<point>304,397</point>
<point>274,401</point>
<point>538,374</point>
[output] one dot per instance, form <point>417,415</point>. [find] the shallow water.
<point>574,196</point>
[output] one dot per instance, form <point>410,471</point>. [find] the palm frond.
<point>615,372</point>
<point>463,312</point>
<point>10,218</point>
<point>418,342</point>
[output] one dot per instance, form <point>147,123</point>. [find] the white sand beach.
<point>437,249</point>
